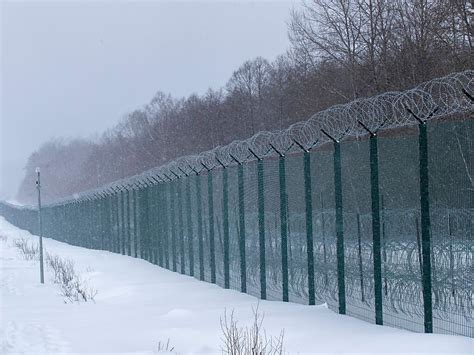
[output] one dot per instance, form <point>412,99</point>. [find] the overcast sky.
<point>74,68</point>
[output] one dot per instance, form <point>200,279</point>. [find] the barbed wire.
<point>440,97</point>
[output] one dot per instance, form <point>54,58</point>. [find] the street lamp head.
<point>37,170</point>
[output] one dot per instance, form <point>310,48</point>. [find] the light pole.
<point>40,223</point>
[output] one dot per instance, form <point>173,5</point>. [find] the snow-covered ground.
<point>139,304</point>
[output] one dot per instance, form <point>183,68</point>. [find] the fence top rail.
<point>434,99</point>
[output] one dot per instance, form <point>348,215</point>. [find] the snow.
<point>139,304</point>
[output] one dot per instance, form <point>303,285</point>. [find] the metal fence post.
<point>243,263</point>
<point>199,225</point>
<point>40,224</point>
<point>225,222</point>
<point>129,232</point>
<point>117,210</point>
<point>339,229</point>
<point>309,226</point>
<point>166,237</point>
<point>425,228</point>
<point>182,259</point>
<point>173,224</point>
<point>210,201</point>
<point>190,226</point>
<point>283,227</point>
<point>136,215</point>
<point>154,223</point>
<point>261,229</point>
<point>375,198</point>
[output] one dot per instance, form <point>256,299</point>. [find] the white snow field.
<point>139,304</point>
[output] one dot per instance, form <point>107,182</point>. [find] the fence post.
<point>136,230</point>
<point>155,225</point>
<point>110,223</point>
<point>243,262</point>
<point>140,207</point>
<point>181,226</point>
<point>425,227</point>
<point>425,219</point>
<point>190,226</point>
<point>160,221</point>
<point>40,224</point>
<point>142,223</point>
<point>166,236</point>
<point>309,226</point>
<point>283,227</point>
<point>261,229</point>
<point>147,192</point>
<point>117,208</point>
<point>199,221</point>
<point>103,221</point>
<point>225,218</point>
<point>129,228</point>
<point>124,223</point>
<point>211,225</point>
<point>375,197</point>
<point>173,224</point>
<point>341,284</point>
<point>339,228</point>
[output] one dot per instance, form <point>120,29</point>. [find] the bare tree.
<point>330,30</point>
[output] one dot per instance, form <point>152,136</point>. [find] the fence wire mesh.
<point>367,207</point>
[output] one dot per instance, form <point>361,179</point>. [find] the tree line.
<point>340,50</point>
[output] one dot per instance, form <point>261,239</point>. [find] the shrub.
<point>30,251</point>
<point>73,287</point>
<point>165,347</point>
<point>251,340</point>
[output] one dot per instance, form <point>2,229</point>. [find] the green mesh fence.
<point>375,223</point>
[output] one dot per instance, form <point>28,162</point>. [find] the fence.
<point>366,206</point>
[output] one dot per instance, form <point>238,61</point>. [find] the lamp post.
<point>40,223</point>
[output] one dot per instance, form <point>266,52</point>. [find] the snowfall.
<point>139,306</point>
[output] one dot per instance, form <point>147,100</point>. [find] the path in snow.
<point>139,304</point>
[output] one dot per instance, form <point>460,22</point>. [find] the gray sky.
<point>74,68</point>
